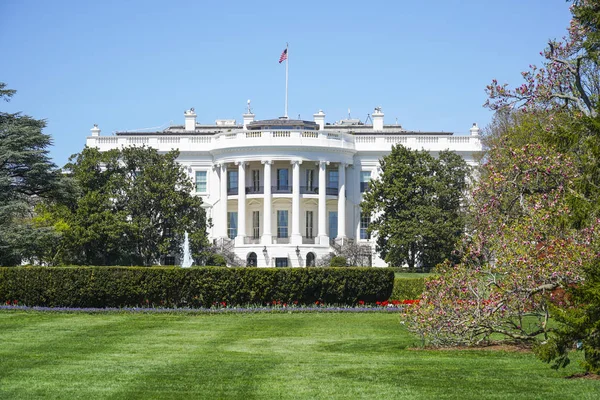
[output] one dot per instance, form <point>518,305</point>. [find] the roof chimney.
<point>320,119</point>
<point>95,130</point>
<point>190,119</point>
<point>474,129</point>
<point>377,117</point>
<point>248,116</point>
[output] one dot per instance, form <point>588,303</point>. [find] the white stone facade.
<point>261,181</point>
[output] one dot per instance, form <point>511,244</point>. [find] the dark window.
<point>232,182</point>
<point>255,224</point>
<point>282,179</point>
<point>281,262</point>
<point>251,260</point>
<point>310,181</point>
<point>255,180</point>
<point>310,260</point>
<point>309,224</point>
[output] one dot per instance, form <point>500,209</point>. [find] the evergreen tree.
<point>27,175</point>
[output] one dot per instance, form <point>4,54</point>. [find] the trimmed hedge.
<point>193,287</point>
<point>408,288</point>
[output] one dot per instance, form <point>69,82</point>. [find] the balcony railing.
<point>309,190</point>
<point>332,191</point>
<point>255,190</point>
<point>281,189</point>
<point>251,240</point>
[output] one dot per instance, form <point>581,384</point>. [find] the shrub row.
<point>408,288</point>
<point>194,287</point>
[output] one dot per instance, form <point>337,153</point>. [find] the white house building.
<point>284,192</point>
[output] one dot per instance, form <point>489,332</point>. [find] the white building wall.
<point>231,146</point>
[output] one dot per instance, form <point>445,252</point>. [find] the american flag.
<point>283,56</point>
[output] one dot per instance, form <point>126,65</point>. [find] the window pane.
<point>333,179</point>
<point>282,223</point>
<point>232,179</point>
<point>256,179</point>
<point>309,179</point>
<point>282,179</point>
<point>333,224</point>
<point>201,181</point>
<point>365,177</point>
<point>364,224</point>
<point>309,224</point>
<point>256,224</point>
<point>232,224</point>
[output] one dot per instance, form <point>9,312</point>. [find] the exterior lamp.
<point>298,251</point>
<point>265,250</point>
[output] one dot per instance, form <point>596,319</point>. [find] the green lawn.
<point>410,275</point>
<point>260,356</point>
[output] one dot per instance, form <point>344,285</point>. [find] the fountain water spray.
<point>187,260</point>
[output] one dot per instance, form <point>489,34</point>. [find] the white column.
<point>241,234</point>
<point>342,201</point>
<point>268,199</point>
<point>296,235</point>
<point>321,228</point>
<point>223,199</point>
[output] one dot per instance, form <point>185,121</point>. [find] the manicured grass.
<point>258,356</point>
<point>412,275</point>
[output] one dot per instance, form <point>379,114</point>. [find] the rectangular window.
<point>200,181</point>
<point>255,224</point>
<point>333,224</point>
<point>332,178</point>
<point>281,262</point>
<point>364,224</point>
<point>255,181</point>
<point>282,179</point>
<point>310,180</point>
<point>232,219</point>
<point>365,177</point>
<point>309,225</point>
<point>232,182</point>
<point>282,223</point>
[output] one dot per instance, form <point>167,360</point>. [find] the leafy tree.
<point>27,175</point>
<point>416,206</point>
<point>133,208</point>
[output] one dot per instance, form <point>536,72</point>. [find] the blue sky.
<point>138,64</point>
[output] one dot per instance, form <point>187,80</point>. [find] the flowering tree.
<point>520,251</point>
<point>570,75</point>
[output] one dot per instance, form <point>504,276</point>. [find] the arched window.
<point>310,260</point>
<point>251,260</point>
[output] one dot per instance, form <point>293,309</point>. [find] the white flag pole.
<point>287,60</point>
